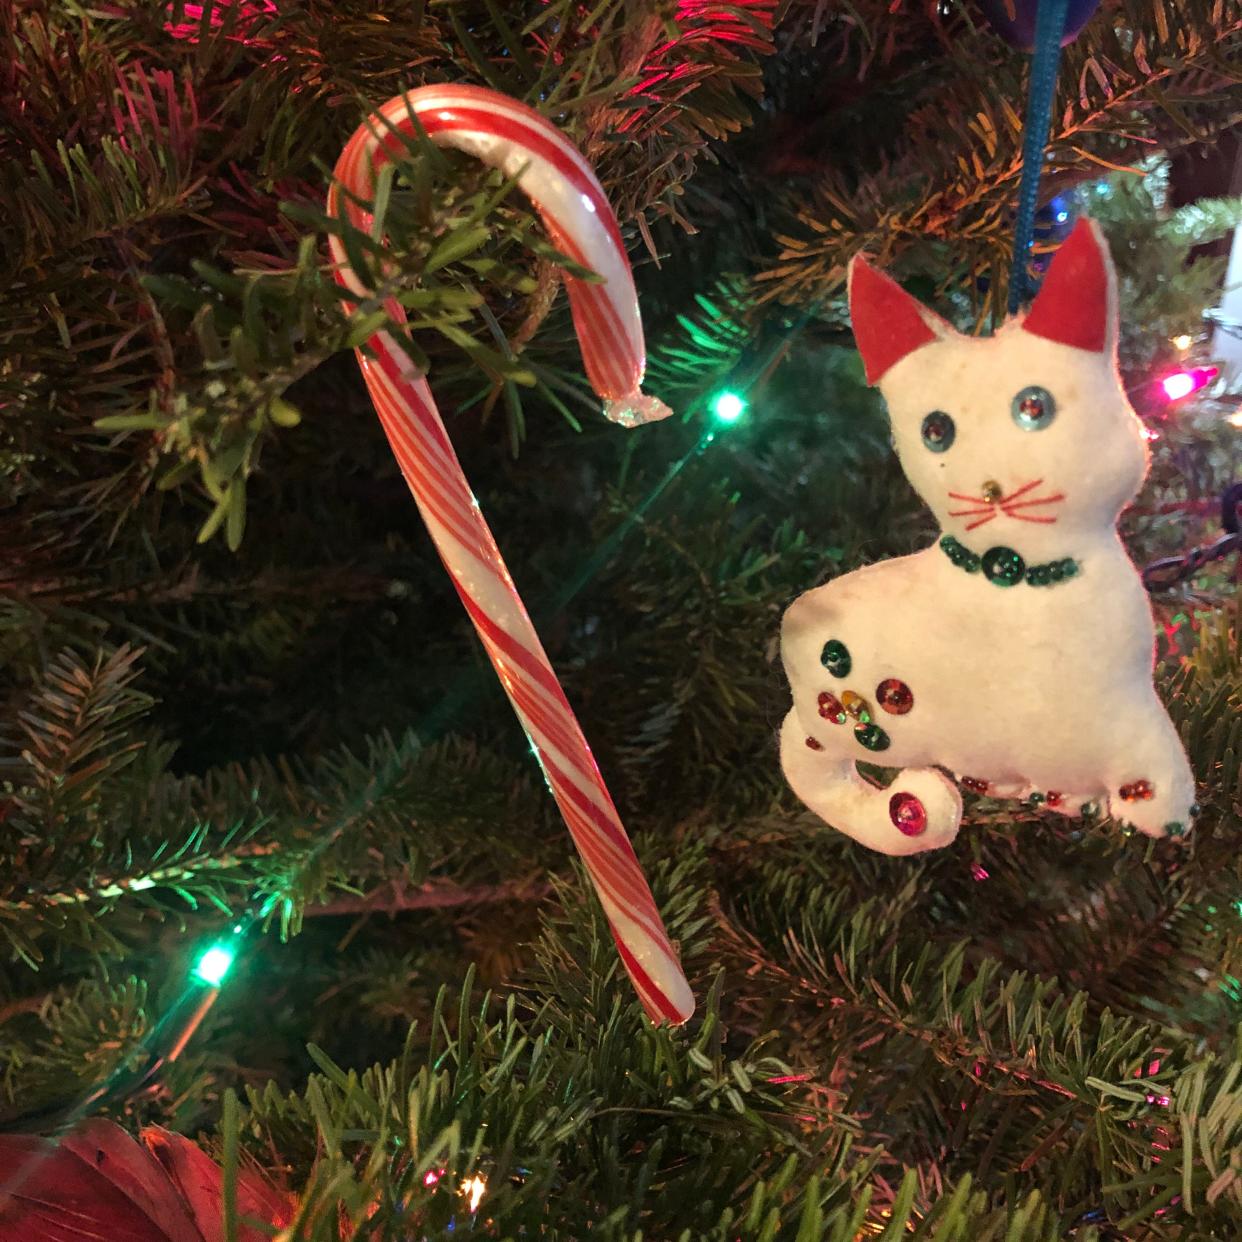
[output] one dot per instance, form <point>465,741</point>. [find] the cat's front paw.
<point>925,808</point>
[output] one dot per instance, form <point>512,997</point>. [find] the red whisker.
<point>1027,517</point>
<point>967,512</point>
<point>975,500</point>
<point>1042,500</point>
<point>1026,487</point>
<point>981,521</point>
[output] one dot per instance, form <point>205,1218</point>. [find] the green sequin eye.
<point>939,431</point>
<point>1033,408</point>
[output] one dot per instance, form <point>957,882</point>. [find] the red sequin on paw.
<point>830,708</point>
<point>1054,798</point>
<point>974,784</point>
<point>813,744</point>
<point>1137,791</point>
<point>894,696</point>
<point>908,813</point>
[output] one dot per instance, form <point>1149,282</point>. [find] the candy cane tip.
<point>676,1002</point>
<point>635,408</point>
<point>683,1009</point>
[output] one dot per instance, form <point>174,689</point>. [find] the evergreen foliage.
<point>240,691</point>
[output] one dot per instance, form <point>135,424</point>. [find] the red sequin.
<point>813,744</point>
<point>908,813</point>
<point>974,784</point>
<point>1054,798</point>
<point>1136,791</point>
<point>894,696</point>
<point>830,708</point>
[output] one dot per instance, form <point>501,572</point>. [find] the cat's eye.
<point>1033,408</point>
<point>939,431</point>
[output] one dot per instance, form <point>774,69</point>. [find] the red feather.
<point>132,1169</point>
<point>195,1174</point>
<point>199,1178</point>
<point>48,1194</point>
<point>99,1185</point>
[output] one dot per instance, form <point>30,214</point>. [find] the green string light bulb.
<point>728,406</point>
<point>213,965</point>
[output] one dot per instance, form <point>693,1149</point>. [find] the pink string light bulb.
<point>1180,384</point>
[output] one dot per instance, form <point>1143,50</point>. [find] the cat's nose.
<point>992,491</point>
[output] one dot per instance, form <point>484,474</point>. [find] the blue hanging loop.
<point>1049,29</point>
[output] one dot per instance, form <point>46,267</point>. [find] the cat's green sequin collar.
<point>1003,567</point>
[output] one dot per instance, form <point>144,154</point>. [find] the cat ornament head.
<point>1031,424</point>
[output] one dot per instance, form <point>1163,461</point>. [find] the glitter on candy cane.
<point>508,135</point>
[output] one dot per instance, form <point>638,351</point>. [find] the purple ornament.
<point>1014,20</point>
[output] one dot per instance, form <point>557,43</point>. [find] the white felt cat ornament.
<point>1016,652</point>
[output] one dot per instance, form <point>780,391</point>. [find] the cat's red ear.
<point>1076,304</point>
<point>888,322</point>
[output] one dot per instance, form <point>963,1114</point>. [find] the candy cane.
<point>507,135</point>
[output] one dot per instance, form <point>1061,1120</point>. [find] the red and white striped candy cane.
<point>510,136</point>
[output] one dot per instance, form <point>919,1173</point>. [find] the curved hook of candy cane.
<point>551,171</point>
<point>512,137</point>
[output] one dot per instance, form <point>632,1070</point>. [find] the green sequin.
<point>961,556</point>
<point>871,736</point>
<point>1175,829</point>
<point>835,657</point>
<point>1003,567</point>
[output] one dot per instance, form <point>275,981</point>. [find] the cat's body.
<point>1022,686</point>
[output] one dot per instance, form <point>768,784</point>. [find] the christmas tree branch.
<point>967,141</point>
<point>397,897</point>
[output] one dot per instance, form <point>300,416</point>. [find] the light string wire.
<point>1050,17</point>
